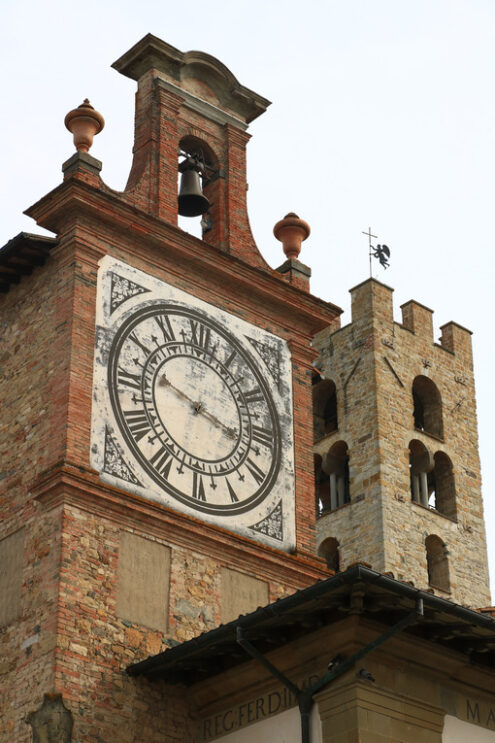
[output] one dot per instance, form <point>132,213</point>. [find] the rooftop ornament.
<point>84,122</point>
<point>291,231</point>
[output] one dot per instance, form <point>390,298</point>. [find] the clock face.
<point>192,406</point>
<point>194,409</point>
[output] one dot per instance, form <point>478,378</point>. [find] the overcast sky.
<point>383,115</point>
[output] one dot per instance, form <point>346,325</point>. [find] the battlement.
<point>457,339</point>
<point>371,302</point>
<point>418,318</point>
<point>372,307</point>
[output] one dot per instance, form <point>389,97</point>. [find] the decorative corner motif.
<point>271,357</point>
<point>52,722</point>
<point>398,379</point>
<point>271,525</point>
<point>122,289</point>
<point>114,463</point>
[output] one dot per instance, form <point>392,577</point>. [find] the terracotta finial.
<point>291,231</point>
<point>84,122</point>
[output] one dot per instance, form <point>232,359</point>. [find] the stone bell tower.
<point>396,453</point>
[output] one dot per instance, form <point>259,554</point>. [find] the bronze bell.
<point>192,201</point>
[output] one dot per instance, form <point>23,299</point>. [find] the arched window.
<point>437,562</point>
<point>329,550</point>
<point>441,486</point>
<point>208,225</point>
<point>336,464</point>
<point>427,402</point>
<point>420,465</point>
<point>322,487</point>
<point>324,407</point>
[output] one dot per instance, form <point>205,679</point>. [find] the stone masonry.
<point>373,362</point>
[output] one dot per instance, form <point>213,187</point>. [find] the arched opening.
<point>420,467</point>
<point>329,551</point>
<point>336,464</point>
<point>442,486</point>
<point>325,418</point>
<point>437,563</point>
<point>427,402</point>
<point>204,226</point>
<point>322,487</point>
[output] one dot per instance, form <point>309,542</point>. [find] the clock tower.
<point>158,416</point>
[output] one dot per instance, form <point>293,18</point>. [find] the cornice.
<point>81,488</point>
<point>75,199</point>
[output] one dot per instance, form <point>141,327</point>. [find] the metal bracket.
<point>305,696</point>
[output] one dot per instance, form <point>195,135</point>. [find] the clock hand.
<point>164,382</point>
<point>229,431</point>
<point>198,407</point>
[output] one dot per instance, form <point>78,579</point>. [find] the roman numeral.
<point>162,462</point>
<point>263,436</point>
<point>232,493</point>
<point>166,327</point>
<point>253,395</point>
<point>130,380</point>
<point>137,423</point>
<point>255,471</point>
<point>139,343</point>
<point>198,490</point>
<point>230,359</point>
<point>200,335</point>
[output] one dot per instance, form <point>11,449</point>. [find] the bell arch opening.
<point>427,406</point>
<point>442,495</point>
<point>336,465</point>
<point>420,467</point>
<point>325,418</point>
<point>437,563</point>
<point>329,551</point>
<point>198,201</point>
<point>322,487</point>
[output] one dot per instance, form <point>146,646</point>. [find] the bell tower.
<point>191,103</point>
<point>396,455</point>
<point>157,411</point>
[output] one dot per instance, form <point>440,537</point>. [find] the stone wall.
<point>373,362</point>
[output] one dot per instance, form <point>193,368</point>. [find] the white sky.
<point>383,114</point>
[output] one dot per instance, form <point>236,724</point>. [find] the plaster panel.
<point>11,554</point>
<point>192,406</point>
<point>284,728</point>
<point>143,581</point>
<point>459,731</point>
<point>241,594</point>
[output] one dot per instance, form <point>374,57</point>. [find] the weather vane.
<point>381,252</point>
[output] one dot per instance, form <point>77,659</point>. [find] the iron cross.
<point>370,246</point>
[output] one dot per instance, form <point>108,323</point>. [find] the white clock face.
<point>192,406</point>
<point>194,409</point>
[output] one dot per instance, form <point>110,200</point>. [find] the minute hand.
<point>198,408</point>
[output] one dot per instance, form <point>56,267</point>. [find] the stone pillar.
<point>424,488</point>
<point>333,492</point>
<point>358,711</point>
<point>415,488</point>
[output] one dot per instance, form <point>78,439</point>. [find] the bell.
<point>192,201</point>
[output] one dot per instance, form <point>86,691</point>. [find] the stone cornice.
<point>77,487</point>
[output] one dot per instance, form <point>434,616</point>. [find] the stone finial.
<point>291,231</point>
<point>84,122</point>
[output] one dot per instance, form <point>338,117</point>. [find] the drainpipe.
<point>305,696</point>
